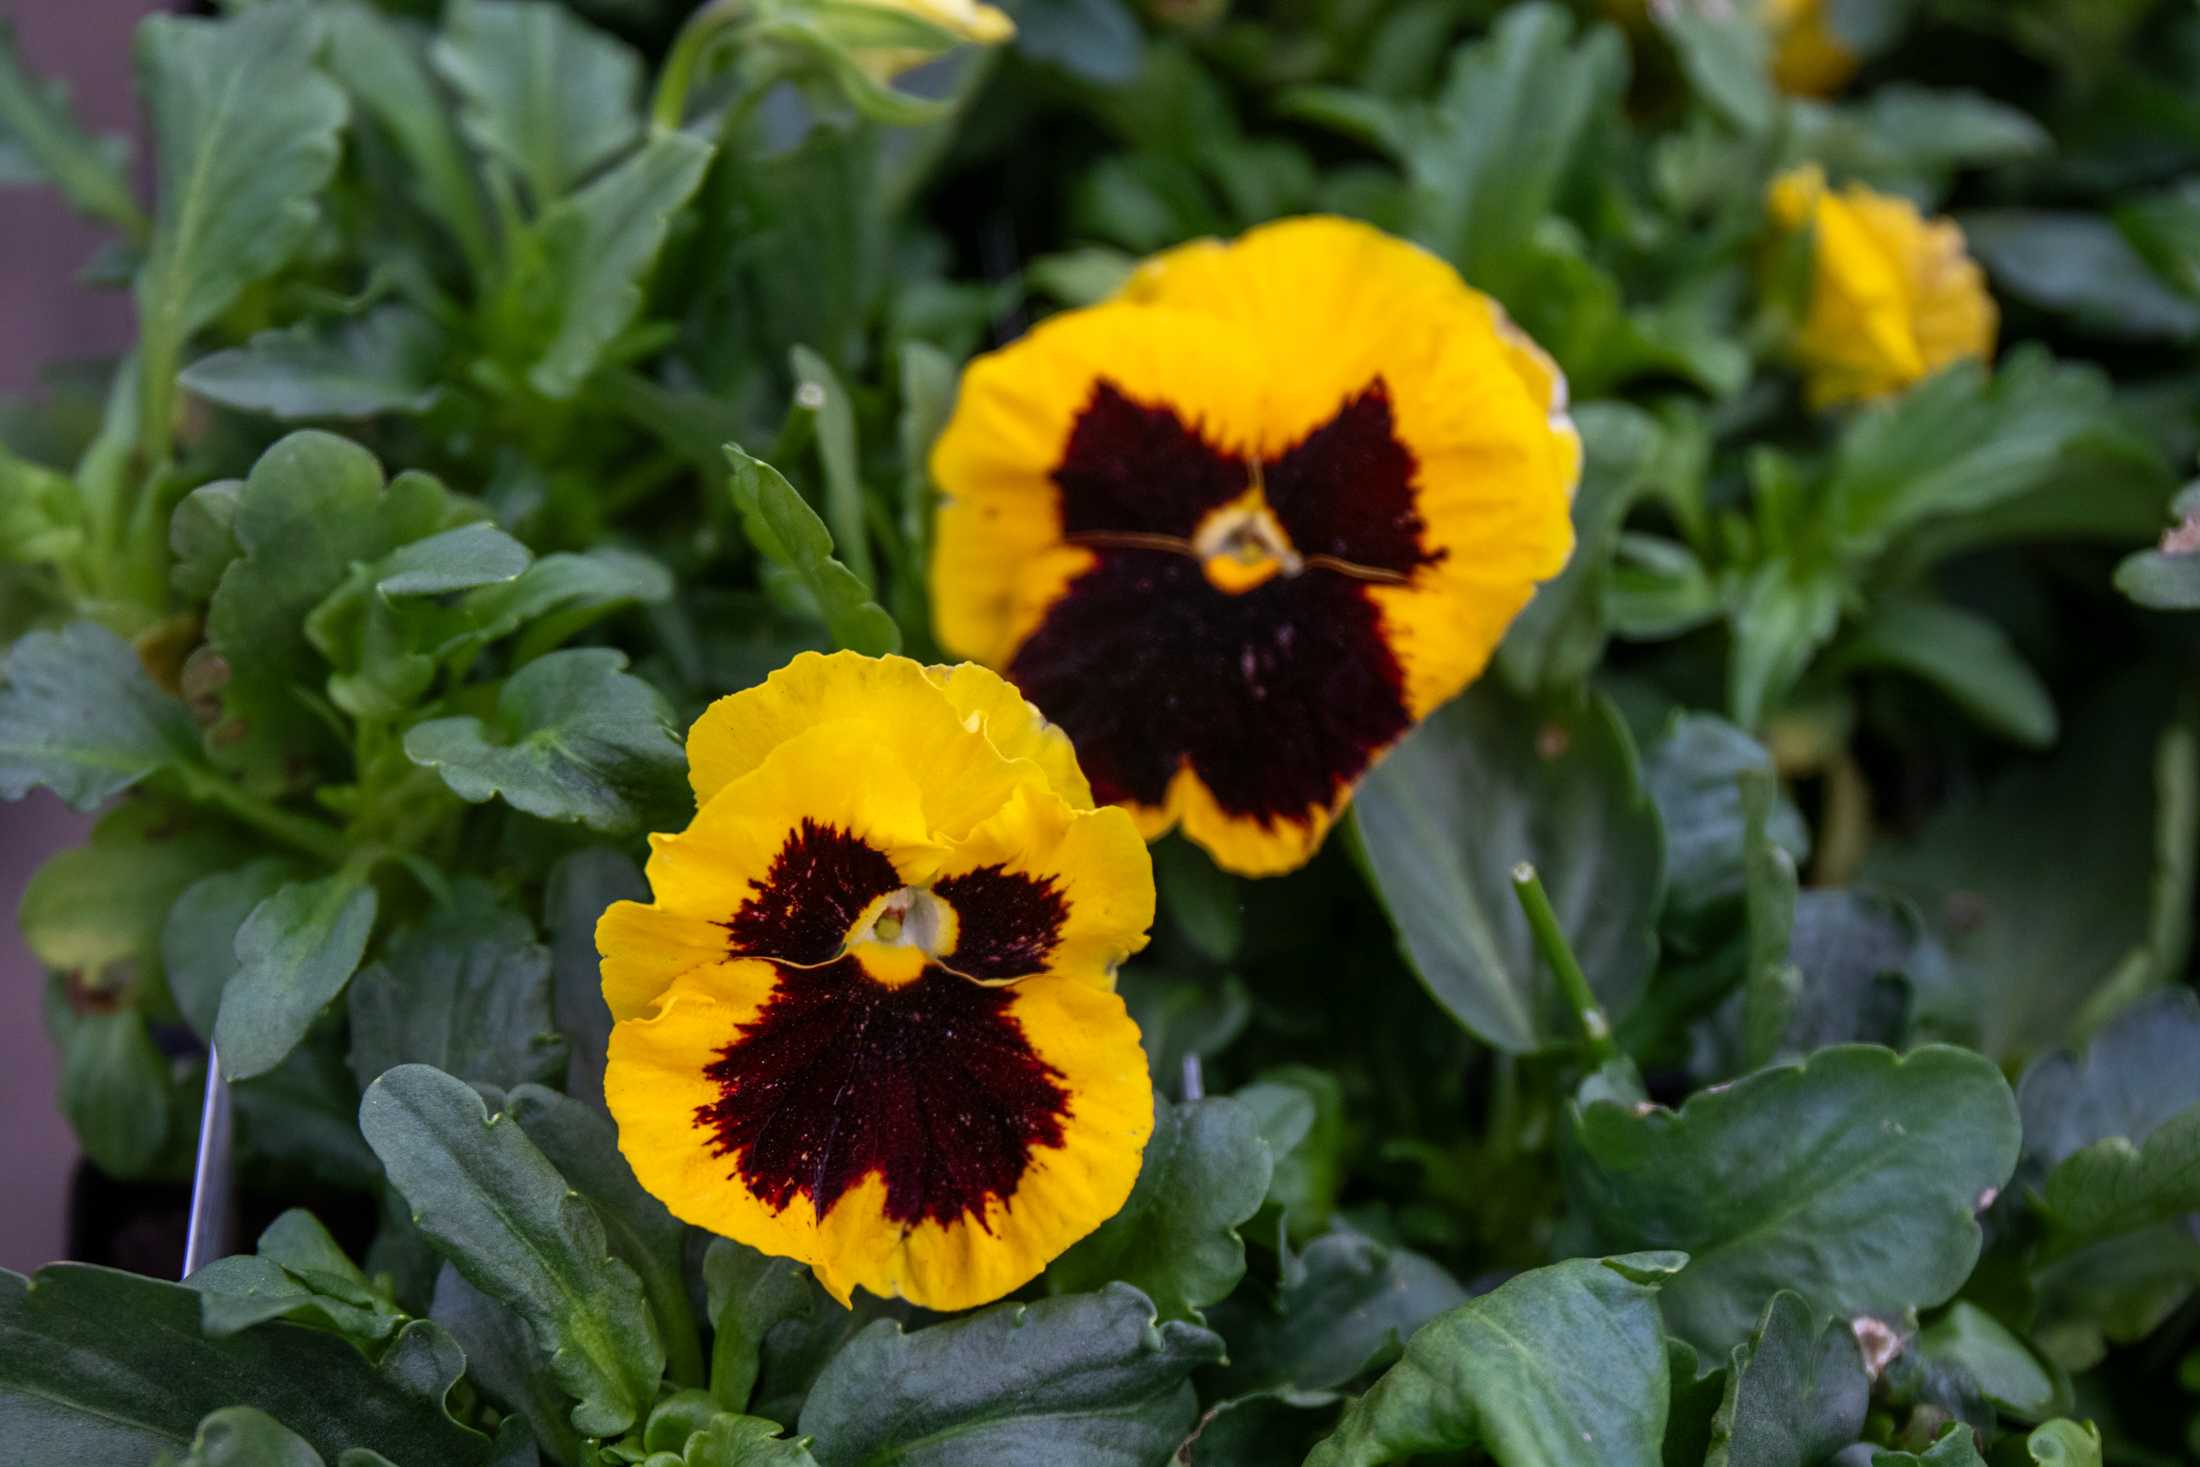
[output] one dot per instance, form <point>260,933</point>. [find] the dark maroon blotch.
<point>932,1085</point>
<point>1138,467</point>
<point>818,884</point>
<point>1006,922</point>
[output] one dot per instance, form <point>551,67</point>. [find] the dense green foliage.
<point>514,378</point>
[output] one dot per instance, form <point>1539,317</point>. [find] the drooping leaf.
<point>1966,656</point>
<point>787,532</point>
<point>99,1366</point>
<point>1795,1391</point>
<point>1561,1365</point>
<point>584,1147</point>
<point>1853,1178</point>
<point>1343,1307</point>
<point>79,716</point>
<point>467,991</point>
<point>1205,1173</point>
<point>544,93</point>
<point>246,130</point>
<point>386,361</point>
<point>503,1215</point>
<point>295,953</point>
<point>1486,783</point>
<point>1089,1377</point>
<point>575,738</point>
<point>587,259</point>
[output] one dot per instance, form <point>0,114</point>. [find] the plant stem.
<point>1596,1030</point>
<point>669,109</point>
<point>314,837</point>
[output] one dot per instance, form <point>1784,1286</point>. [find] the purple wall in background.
<point>47,317</point>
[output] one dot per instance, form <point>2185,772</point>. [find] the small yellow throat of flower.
<point>900,933</point>
<point>1242,545</point>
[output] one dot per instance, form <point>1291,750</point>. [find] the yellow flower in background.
<point>957,21</point>
<point>1240,527</point>
<point>1894,297</point>
<point>1809,58</point>
<point>868,1020</point>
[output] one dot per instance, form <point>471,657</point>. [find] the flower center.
<point>1243,545</point>
<point>912,917</point>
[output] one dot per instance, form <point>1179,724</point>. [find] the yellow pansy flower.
<point>1238,528</point>
<point>868,1020</point>
<point>1894,297</point>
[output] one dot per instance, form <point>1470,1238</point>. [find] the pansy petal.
<point>1044,888</point>
<point>646,947</point>
<point>1084,399</point>
<point>1014,726</point>
<point>930,1137</point>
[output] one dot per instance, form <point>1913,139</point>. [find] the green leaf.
<point>1957,1447</point>
<point>1795,1393</point>
<point>2002,1368</point>
<point>1852,952</point>
<point>295,953</point>
<point>502,1361</point>
<point>1966,656</point>
<point>41,511</point>
<point>1260,1430</point>
<point>467,991</point>
<point>1901,134</point>
<point>1203,902</point>
<point>1343,1307</point>
<point>41,139</point>
<point>298,1273</point>
<point>1096,40</point>
<point>581,886</point>
<point>1175,1239</point>
<point>562,593</point>
<point>787,532</point>
<point>2138,1073</point>
<point>2167,578</point>
<point>584,1147</point>
<point>819,389</point>
<point>576,738</point>
<point>2081,266</point>
<point>584,264</point>
<point>312,507</point>
<point>543,92</point>
<point>246,130</point>
<point>1962,443</point>
<point>386,71</point>
<point>1561,1365</point>
<point>2065,1443</point>
<point>748,1293</point>
<point>1557,641</point>
<point>1300,1111</point>
<point>239,1436</point>
<point>2116,1185</point>
<point>198,940</point>
<point>2046,883</point>
<point>116,1088</point>
<point>1771,984</point>
<point>1728,62</point>
<point>96,910</point>
<point>202,536</point>
<point>1484,784</point>
<point>79,716</point>
<point>727,1440</point>
<point>386,361</point>
<point>493,1205</point>
<point>1183,1018</point>
<point>1783,618</point>
<point>102,1366</point>
<point>1694,772</point>
<point>1088,1377</point>
<point>1854,1178</point>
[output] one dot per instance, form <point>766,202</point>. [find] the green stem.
<point>315,838</point>
<point>669,109</point>
<point>1596,1030</point>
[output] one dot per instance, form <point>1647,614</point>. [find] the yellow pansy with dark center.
<point>1240,527</point>
<point>868,1019</point>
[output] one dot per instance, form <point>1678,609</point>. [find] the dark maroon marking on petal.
<point>818,884</point>
<point>1346,489</point>
<point>932,1085</point>
<point>1140,468</point>
<point>1005,922</point>
<point>1278,697</point>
